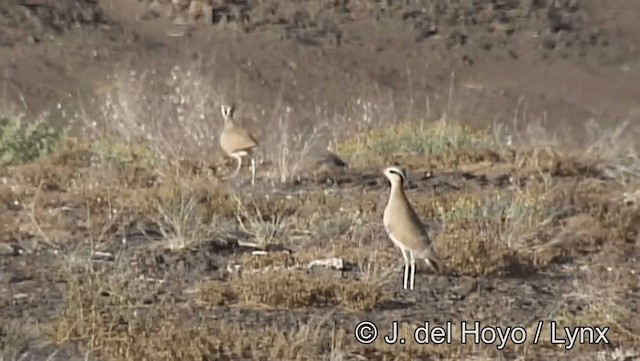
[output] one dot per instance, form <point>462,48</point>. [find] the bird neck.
<point>397,191</point>
<point>229,124</point>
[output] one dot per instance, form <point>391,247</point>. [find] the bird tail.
<point>432,260</point>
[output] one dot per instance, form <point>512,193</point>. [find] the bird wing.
<point>240,138</point>
<point>410,228</point>
<point>248,136</point>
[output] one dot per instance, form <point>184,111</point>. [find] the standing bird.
<point>405,228</point>
<point>236,141</point>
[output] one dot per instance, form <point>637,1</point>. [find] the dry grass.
<point>288,289</point>
<point>14,340</point>
<point>176,288</point>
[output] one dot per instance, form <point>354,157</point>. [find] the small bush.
<point>437,138</point>
<point>22,143</point>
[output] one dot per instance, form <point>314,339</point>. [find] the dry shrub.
<point>214,294</point>
<point>289,289</point>
<point>96,303</point>
<point>46,174</point>
<point>292,145</point>
<point>172,111</point>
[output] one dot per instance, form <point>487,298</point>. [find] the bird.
<point>236,141</point>
<point>405,229</point>
<point>328,159</point>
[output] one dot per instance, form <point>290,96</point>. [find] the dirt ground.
<point>88,264</point>
<point>563,60</point>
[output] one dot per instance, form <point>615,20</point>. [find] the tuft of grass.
<point>269,225</point>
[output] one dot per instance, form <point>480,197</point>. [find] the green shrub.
<point>436,138</point>
<point>22,142</point>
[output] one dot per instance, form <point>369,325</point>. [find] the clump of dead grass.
<point>290,147</point>
<point>271,225</point>
<point>185,211</point>
<point>291,289</point>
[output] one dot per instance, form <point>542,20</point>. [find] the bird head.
<point>227,111</point>
<point>395,175</point>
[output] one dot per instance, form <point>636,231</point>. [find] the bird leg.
<point>235,173</point>
<point>412,260</point>
<point>406,268</point>
<point>253,171</point>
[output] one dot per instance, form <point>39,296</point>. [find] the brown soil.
<point>564,60</point>
<point>516,62</point>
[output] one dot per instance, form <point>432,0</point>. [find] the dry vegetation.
<point>155,258</point>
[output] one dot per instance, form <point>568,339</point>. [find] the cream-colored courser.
<point>405,228</point>
<point>236,141</point>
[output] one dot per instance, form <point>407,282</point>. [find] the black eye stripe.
<point>398,173</point>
